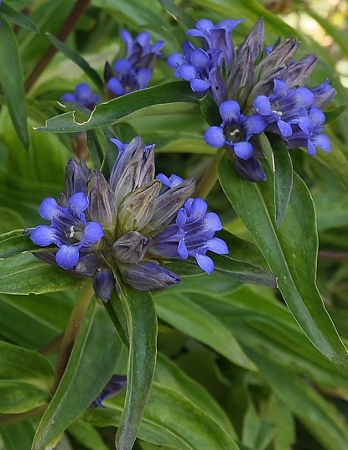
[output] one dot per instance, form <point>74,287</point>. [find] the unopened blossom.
<point>128,226</point>
<point>115,385</point>
<point>134,71</point>
<point>83,96</point>
<point>257,89</point>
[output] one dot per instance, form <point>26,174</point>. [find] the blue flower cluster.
<point>133,72</point>
<point>257,90</point>
<point>127,227</point>
<point>83,96</point>
<point>130,74</point>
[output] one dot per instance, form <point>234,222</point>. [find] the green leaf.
<point>170,98</point>
<point>170,419</point>
<point>15,242</point>
<point>290,250</point>
<point>12,81</point>
<point>78,60</point>
<point>24,274</point>
<point>88,371</point>
<point>283,178</point>
<point>170,375</point>
<point>17,436</point>
<point>142,331</point>
<point>17,18</point>
<point>317,414</point>
<point>197,322</point>
<point>178,13</point>
<point>87,435</point>
<point>25,379</point>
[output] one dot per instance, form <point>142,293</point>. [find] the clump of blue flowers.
<point>134,71</point>
<point>127,227</point>
<point>257,90</point>
<point>83,96</point>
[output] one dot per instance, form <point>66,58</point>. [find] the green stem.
<point>210,176</point>
<point>67,27</point>
<point>9,419</point>
<point>76,319</point>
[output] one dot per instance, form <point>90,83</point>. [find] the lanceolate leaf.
<point>11,77</point>
<point>195,321</point>
<point>90,367</point>
<point>142,330</point>
<point>171,98</point>
<point>290,250</point>
<point>172,420</point>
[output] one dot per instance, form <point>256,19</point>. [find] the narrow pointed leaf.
<point>283,179</point>
<point>170,98</point>
<point>11,77</point>
<point>142,330</point>
<point>18,18</point>
<point>197,322</point>
<point>78,60</point>
<point>291,252</point>
<point>88,371</point>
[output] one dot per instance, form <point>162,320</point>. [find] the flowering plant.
<point>168,172</point>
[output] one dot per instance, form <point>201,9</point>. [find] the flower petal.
<point>67,256</point>
<point>43,235</point>
<point>243,150</point>
<point>214,136</point>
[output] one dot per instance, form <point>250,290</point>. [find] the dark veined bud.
<point>76,177</point>
<point>168,204</point>
<point>131,247</point>
<point>104,284</point>
<point>102,202</point>
<point>148,276</point>
<point>250,169</point>
<point>137,209</point>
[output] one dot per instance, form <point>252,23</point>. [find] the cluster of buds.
<point>257,90</point>
<point>126,228</point>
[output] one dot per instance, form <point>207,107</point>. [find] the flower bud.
<point>137,209</point>
<point>76,177</point>
<point>104,284</point>
<point>250,170</point>
<point>114,386</point>
<point>148,276</point>
<point>102,202</point>
<point>131,247</point>
<point>134,168</point>
<point>168,204</point>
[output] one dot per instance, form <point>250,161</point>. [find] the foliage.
<point>249,357</point>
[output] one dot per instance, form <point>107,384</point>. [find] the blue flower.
<point>69,229</point>
<point>84,96</point>
<point>309,133</point>
<point>284,107</point>
<point>114,386</point>
<point>235,130</point>
<point>192,234</point>
<point>134,72</point>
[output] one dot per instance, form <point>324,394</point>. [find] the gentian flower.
<point>125,228</point>
<point>236,130</point>
<point>257,89</point>
<point>69,229</point>
<point>83,96</point>
<point>133,72</point>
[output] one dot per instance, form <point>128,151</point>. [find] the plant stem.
<point>210,176</point>
<point>67,27</point>
<point>76,319</point>
<point>333,256</point>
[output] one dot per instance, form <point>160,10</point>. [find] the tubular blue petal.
<point>229,111</point>
<point>218,246</point>
<point>115,86</point>
<point>205,263</point>
<point>243,150</point>
<point>323,142</point>
<point>78,203</point>
<point>67,256</point>
<point>187,72</point>
<point>255,124</point>
<point>92,233</point>
<point>182,249</point>
<point>43,235</point>
<point>198,85</point>
<point>262,105</point>
<point>49,208</point>
<point>214,136</point>
<point>212,222</point>
<point>176,60</point>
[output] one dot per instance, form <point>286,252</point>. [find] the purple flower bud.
<point>116,385</point>
<point>148,276</point>
<point>104,284</point>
